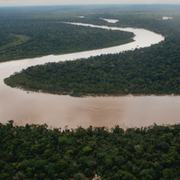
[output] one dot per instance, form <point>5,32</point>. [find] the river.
<point>61,111</point>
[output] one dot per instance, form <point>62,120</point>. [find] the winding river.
<point>61,111</point>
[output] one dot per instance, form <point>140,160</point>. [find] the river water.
<point>61,111</point>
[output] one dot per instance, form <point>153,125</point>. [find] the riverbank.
<point>83,95</point>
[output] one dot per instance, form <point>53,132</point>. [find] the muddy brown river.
<point>61,111</point>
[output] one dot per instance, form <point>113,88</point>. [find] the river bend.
<point>61,111</point>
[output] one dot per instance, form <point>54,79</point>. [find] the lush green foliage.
<point>36,152</point>
<point>153,70</point>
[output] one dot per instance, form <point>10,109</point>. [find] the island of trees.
<point>136,72</point>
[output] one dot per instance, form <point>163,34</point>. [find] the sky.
<point>68,2</point>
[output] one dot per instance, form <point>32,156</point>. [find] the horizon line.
<point>86,4</point>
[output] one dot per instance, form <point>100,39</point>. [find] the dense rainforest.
<point>152,70</point>
<point>38,152</point>
<point>23,34</point>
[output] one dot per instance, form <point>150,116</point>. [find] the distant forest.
<point>152,70</point>
<point>31,32</point>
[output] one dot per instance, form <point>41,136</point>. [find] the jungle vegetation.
<point>38,152</point>
<point>152,70</point>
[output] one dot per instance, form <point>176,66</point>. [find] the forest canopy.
<point>38,152</point>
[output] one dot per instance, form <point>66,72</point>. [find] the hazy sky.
<point>63,2</point>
